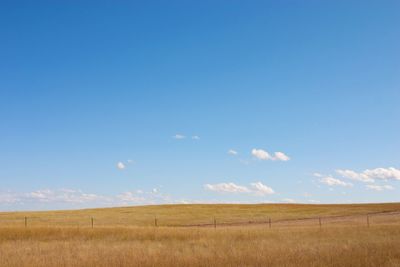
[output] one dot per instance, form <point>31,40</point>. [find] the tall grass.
<point>121,238</point>
<point>236,246</point>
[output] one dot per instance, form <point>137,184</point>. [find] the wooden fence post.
<point>368,220</point>
<point>92,220</point>
<point>270,224</point>
<point>215,223</point>
<point>155,222</point>
<point>26,222</point>
<point>320,222</point>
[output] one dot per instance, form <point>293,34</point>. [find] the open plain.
<point>205,235</point>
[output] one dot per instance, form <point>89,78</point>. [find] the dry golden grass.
<point>173,215</point>
<point>237,246</point>
<point>342,241</point>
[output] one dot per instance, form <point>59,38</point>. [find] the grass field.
<point>179,215</point>
<point>127,236</point>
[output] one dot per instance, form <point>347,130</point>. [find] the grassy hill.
<point>174,215</point>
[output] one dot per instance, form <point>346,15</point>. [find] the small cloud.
<point>261,154</point>
<point>155,190</point>
<point>61,196</point>
<point>257,188</point>
<point>383,173</point>
<point>264,155</point>
<point>334,182</point>
<point>227,188</point>
<point>261,189</point>
<point>196,137</point>
<point>232,152</point>
<point>179,136</point>
<point>370,175</point>
<point>121,165</point>
<point>361,177</point>
<point>379,187</point>
<point>281,156</point>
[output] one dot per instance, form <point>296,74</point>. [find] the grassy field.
<point>127,236</point>
<point>179,215</point>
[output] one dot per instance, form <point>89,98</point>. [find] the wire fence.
<point>367,220</point>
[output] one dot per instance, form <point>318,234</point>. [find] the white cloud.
<point>153,196</point>
<point>264,155</point>
<point>68,198</point>
<point>261,189</point>
<point>334,182</point>
<point>370,175</point>
<point>9,198</point>
<point>261,154</point>
<point>227,188</point>
<point>355,176</point>
<point>41,195</point>
<point>121,165</point>
<point>232,152</point>
<point>384,173</point>
<point>256,188</point>
<point>179,136</point>
<point>61,196</point>
<point>380,187</point>
<point>281,156</point>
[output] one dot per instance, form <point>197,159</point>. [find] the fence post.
<point>26,222</point>
<point>155,222</point>
<point>215,223</point>
<point>320,222</point>
<point>92,222</point>
<point>368,220</point>
<point>270,223</point>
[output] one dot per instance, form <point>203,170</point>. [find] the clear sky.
<point>143,102</point>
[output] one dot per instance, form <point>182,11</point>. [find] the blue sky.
<point>105,104</point>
